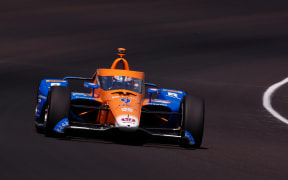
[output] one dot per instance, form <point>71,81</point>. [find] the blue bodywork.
<point>169,98</point>
<point>174,97</point>
<point>61,125</point>
<point>190,138</point>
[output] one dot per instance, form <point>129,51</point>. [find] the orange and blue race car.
<point>119,100</point>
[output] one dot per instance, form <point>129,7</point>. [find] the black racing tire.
<point>193,114</point>
<point>57,108</point>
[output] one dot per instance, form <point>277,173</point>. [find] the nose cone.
<point>127,121</point>
<point>126,109</point>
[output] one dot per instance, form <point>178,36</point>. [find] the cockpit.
<point>120,82</point>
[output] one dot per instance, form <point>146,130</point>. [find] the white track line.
<point>267,100</point>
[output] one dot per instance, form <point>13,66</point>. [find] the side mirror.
<point>152,90</point>
<point>91,85</point>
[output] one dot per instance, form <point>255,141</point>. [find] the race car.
<point>119,100</point>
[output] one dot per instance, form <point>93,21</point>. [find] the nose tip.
<point>127,121</point>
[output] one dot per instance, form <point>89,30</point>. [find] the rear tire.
<point>57,109</point>
<point>193,110</point>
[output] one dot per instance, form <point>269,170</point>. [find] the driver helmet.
<point>120,80</point>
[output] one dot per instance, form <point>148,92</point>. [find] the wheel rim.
<point>46,116</point>
<point>36,110</point>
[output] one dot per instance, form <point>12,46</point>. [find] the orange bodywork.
<point>124,105</point>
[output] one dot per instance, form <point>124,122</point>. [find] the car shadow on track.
<point>139,141</point>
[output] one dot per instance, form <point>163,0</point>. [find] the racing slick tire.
<point>193,111</point>
<point>57,108</point>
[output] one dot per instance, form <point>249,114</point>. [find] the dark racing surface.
<point>230,52</point>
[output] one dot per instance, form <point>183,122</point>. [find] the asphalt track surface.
<point>229,52</point>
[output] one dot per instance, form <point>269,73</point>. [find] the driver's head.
<point>128,82</point>
<point>123,80</point>
<point>117,81</point>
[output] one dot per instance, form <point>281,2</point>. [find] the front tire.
<point>57,108</point>
<point>193,110</point>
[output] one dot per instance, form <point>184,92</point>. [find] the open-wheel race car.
<point>117,103</point>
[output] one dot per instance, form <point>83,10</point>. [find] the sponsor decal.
<point>124,105</point>
<point>125,100</point>
<point>81,96</point>
<point>61,125</point>
<point>161,101</point>
<point>114,97</point>
<point>173,95</point>
<point>158,104</point>
<point>43,97</point>
<point>127,109</point>
<point>55,81</point>
<point>55,84</point>
<point>127,121</point>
